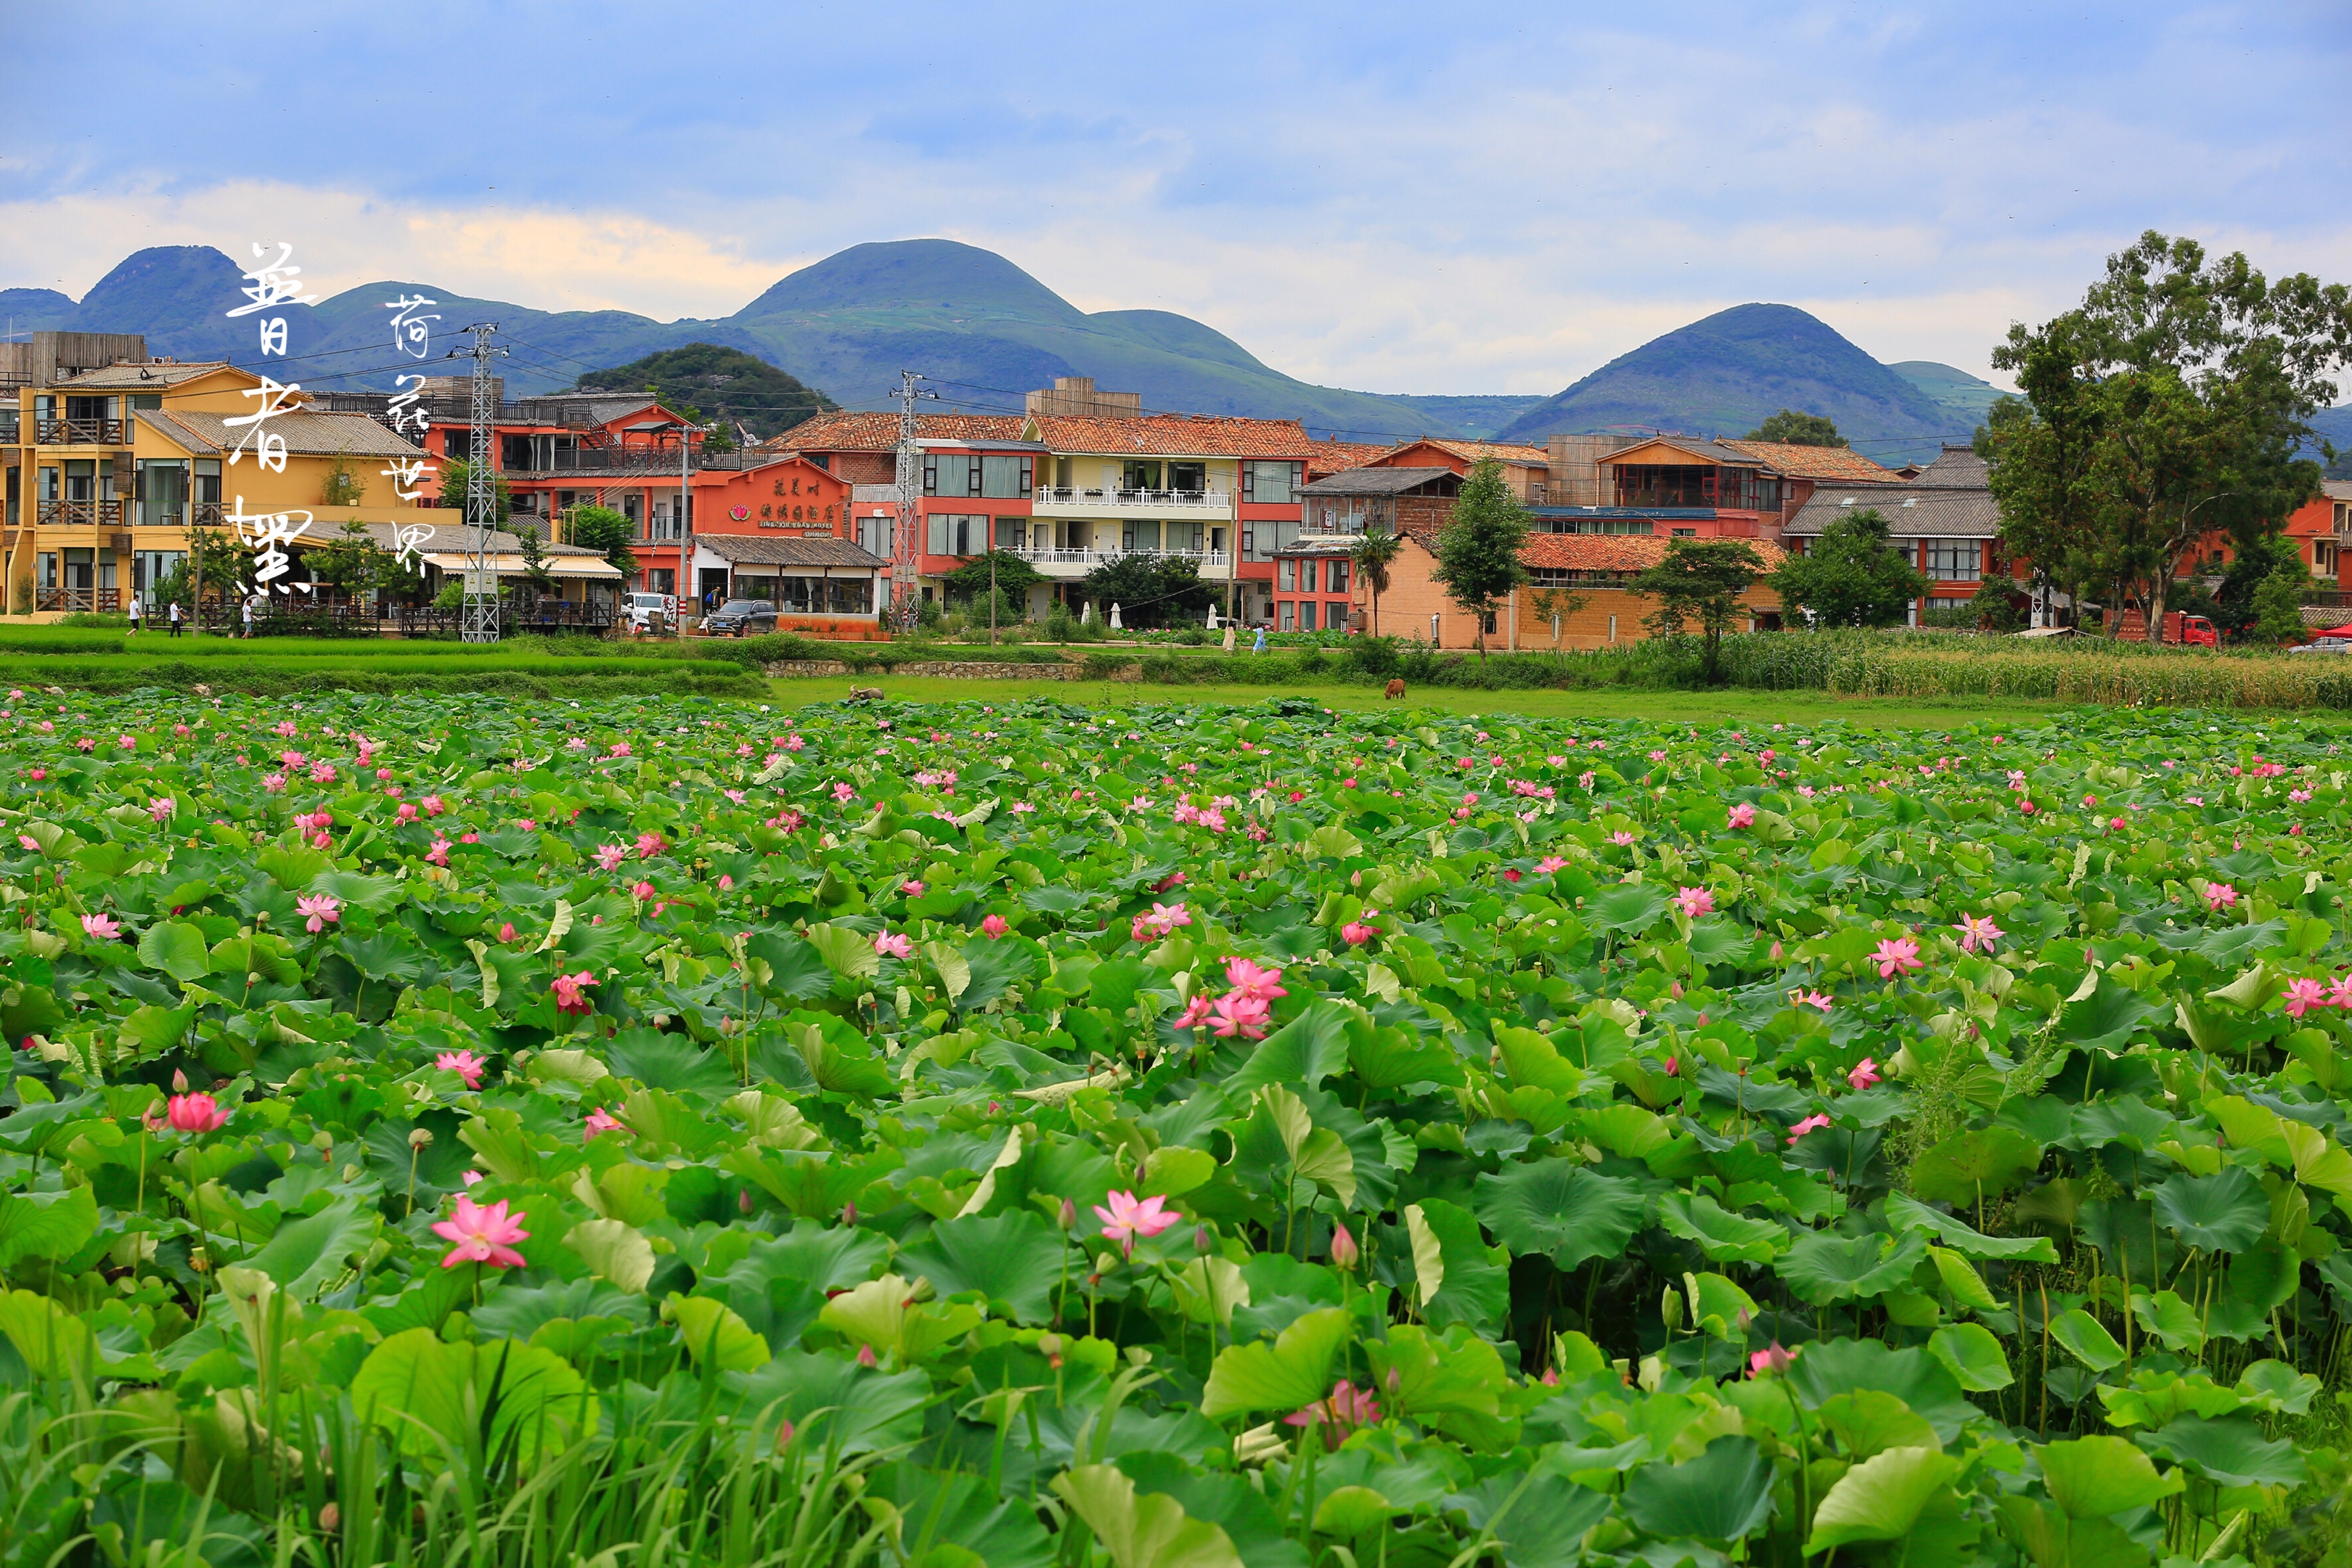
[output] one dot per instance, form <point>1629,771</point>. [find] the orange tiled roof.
<point>1477,451</point>
<point>848,431</point>
<point>1616,551</point>
<point>1173,436</point>
<point>1836,463</point>
<point>1325,458</point>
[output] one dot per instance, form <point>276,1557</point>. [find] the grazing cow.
<point>1396,689</point>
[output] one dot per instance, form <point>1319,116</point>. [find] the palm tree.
<point>1373,554</point>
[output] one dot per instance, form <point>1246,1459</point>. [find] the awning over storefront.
<point>512,566</point>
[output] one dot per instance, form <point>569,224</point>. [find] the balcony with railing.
<point>1110,500</point>
<point>78,432</point>
<point>78,514</point>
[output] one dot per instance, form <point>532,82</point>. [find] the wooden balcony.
<point>79,513</point>
<point>82,599</point>
<point>78,432</point>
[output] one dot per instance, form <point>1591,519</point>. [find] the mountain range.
<point>984,331</point>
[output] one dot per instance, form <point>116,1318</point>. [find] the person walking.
<point>172,612</point>
<point>134,613</point>
<point>248,616</point>
<point>1261,641</point>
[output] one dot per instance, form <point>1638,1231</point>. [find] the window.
<point>1306,615</point>
<point>1180,538</point>
<point>956,534</point>
<point>1307,577</point>
<point>1269,484</point>
<point>1288,610</point>
<point>209,481</point>
<point>1005,479</point>
<point>1687,534</point>
<point>1336,579</point>
<point>1143,535</point>
<point>661,580</point>
<point>1955,559</point>
<point>1335,614</point>
<point>1137,475</point>
<point>1287,575</point>
<point>1010,531</point>
<point>1188,475</point>
<point>162,490</point>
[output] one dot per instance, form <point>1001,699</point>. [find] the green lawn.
<point>1693,707</point>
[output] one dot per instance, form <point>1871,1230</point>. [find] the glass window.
<point>1269,484</point>
<point>1307,577</point>
<point>1004,479</point>
<point>1336,615</point>
<point>1010,531</point>
<point>1139,535</point>
<point>1137,475</point>
<point>1287,575</point>
<point>162,491</point>
<point>1306,615</point>
<point>1287,609</point>
<point>957,533</point>
<point>850,595</point>
<point>1188,475</point>
<point>1959,560</point>
<point>1338,583</point>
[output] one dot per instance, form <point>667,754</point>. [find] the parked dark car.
<point>738,618</point>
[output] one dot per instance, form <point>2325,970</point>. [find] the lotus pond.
<point>1017,1136</point>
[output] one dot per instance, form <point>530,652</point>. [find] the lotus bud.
<point>179,1081</point>
<point>330,1519</point>
<point>1776,953</point>
<point>1344,1251</point>
<point>866,1356</point>
<point>1201,1242</point>
<point>849,1212</point>
<point>1068,1218</point>
<point>743,1202</point>
<point>1670,1308</point>
<point>785,1436</point>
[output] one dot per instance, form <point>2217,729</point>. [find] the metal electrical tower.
<point>478,622</point>
<point>906,554</point>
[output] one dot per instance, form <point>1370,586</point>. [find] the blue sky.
<point>1464,198</point>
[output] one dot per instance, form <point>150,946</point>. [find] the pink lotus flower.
<point>1743,814</point>
<point>161,808</point>
<point>465,1064</point>
<point>85,744</point>
<point>322,772</point>
<point>1344,1250</point>
<point>1897,955</point>
<point>912,890</point>
<point>482,1234</point>
<point>407,812</point>
<point>27,841</point>
<point>845,792</point>
<point>507,931</point>
<point>641,892</point>
<point>1248,980</point>
<point>2339,994</point>
<point>1128,1217</point>
<point>1776,1359</point>
<point>1977,934</point>
<point>317,911</point>
<point>1346,1409</point>
<point>572,992</point>
<point>1195,1013</point>
<point>1807,1125</point>
<point>599,1122</point>
<point>993,927</point>
<point>100,928</point>
<point>1865,1074</point>
<point>1694,901</point>
<point>620,748</point>
<point>1356,933</point>
<point>609,857</point>
<point>1549,864</point>
<point>894,944</point>
<point>2302,996</point>
<point>1620,839</point>
<point>1815,999</point>
<point>2221,896</point>
<point>435,806</point>
<point>274,783</point>
<point>195,1113</point>
<point>438,852</point>
<point>1239,1015</point>
<point>649,844</point>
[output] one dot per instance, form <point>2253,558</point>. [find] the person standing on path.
<point>248,616</point>
<point>134,614</point>
<point>1261,641</point>
<point>174,615</point>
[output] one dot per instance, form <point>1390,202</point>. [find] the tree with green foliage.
<point>347,559</point>
<point>1149,590</point>
<point>2252,564</point>
<point>1798,429</point>
<point>601,528</point>
<point>1699,580</point>
<point>457,475</point>
<point>736,386</point>
<point>2187,388</point>
<point>343,486</point>
<point>1850,575</point>
<point>525,526</point>
<point>2278,607</point>
<point>1478,550</point>
<point>1374,554</point>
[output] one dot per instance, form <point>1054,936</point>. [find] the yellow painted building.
<point>111,459</point>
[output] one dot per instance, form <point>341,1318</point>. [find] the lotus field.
<point>659,1132</point>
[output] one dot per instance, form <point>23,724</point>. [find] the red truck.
<point>2189,631</point>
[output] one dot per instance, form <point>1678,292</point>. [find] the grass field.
<point>1677,707</point>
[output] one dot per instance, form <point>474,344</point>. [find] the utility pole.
<point>907,554</point>
<point>479,621</point>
